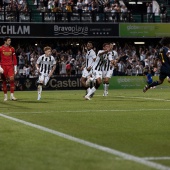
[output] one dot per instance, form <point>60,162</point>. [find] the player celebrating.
<point>97,69</point>
<point>164,56</point>
<point>108,65</point>
<point>45,65</point>
<point>8,65</point>
<point>90,58</point>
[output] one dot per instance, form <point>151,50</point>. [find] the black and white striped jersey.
<point>46,63</point>
<point>101,2</point>
<point>107,65</point>
<point>102,62</point>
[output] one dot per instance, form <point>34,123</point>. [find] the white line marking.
<point>90,111</point>
<point>146,98</point>
<point>92,145</point>
<point>157,158</point>
<point>136,97</point>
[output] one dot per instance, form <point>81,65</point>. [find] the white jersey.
<point>46,63</point>
<point>90,56</point>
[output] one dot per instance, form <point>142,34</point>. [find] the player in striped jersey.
<point>108,66</point>
<point>45,65</point>
<point>87,68</point>
<point>97,69</point>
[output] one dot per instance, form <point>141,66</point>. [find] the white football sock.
<point>92,90</point>
<point>39,90</point>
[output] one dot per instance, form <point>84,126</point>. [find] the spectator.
<point>139,69</point>
<point>163,13</point>
<point>26,70</point>
<point>79,6</point>
<point>114,12</point>
<point>69,10</point>
<point>73,66</point>
<point>129,70</point>
<point>21,61</point>
<point>121,68</point>
<point>68,68</point>
<point>63,66</point>
<point>149,12</point>
<point>124,13</point>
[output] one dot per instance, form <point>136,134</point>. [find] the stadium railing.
<point>36,16</point>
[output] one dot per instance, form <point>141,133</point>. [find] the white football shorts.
<point>86,73</point>
<point>97,74</point>
<point>107,74</point>
<point>44,78</point>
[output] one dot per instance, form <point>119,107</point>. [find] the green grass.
<point>129,121</point>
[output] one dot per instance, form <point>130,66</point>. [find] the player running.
<point>164,57</point>
<point>108,66</point>
<point>96,71</point>
<point>46,66</point>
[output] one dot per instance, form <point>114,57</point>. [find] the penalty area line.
<point>90,144</point>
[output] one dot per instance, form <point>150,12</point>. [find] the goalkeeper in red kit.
<point>8,65</point>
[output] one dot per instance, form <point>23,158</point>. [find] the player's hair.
<point>165,41</point>
<point>47,48</point>
<point>90,42</point>
<point>6,38</point>
<point>105,44</point>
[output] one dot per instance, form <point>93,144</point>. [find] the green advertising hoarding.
<point>144,30</point>
<point>132,82</point>
<point>126,82</point>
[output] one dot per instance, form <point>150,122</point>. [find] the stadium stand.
<point>84,11</point>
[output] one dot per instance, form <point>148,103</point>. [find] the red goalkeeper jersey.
<point>7,55</point>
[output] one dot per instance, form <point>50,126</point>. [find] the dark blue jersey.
<point>163,56</point>
<point>149,78</point>
<point>165,68</point>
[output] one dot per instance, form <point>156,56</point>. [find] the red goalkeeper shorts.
<point>8,70</point>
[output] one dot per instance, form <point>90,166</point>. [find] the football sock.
<point>5,96</point>
<point>107,86</point>
<point>12,86</point>
<point>104,86</point>
<point>91,91</point>
<point>4,87</point>
<point>88,90</point>
<point>12,95</point>
<point>39,90</point>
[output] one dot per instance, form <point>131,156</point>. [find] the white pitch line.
<point>157,158</point>
<point>146,98</point>
<point>136,97</point>
<point>90,111</point>
<point>92,145</point>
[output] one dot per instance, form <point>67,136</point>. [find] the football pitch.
<point>126,130</point>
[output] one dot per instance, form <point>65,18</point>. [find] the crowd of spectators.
<point>78,10</point>
<point>9,10</point>
<point>100,10</point>
<point>71,56</point>
<point>115,9</point>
